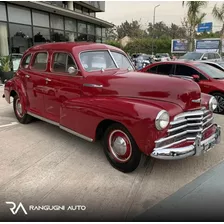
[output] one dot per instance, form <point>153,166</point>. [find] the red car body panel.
<point>131,98</point>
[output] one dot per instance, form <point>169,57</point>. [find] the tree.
<point>194,17</point>
<point>132,30</point>
<point>111,34</point>
<point>218,14</point>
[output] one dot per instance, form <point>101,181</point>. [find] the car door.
<point>34,81</point>
<point>60,85</point>
<point>187,71</point>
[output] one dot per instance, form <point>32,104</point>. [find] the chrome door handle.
<point>48,80</point>
<point>27,76</point>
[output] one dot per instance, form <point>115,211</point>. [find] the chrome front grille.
<point>185,127</point>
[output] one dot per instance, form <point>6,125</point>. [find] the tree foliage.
<point>218,14</point>
<point>194,17</point>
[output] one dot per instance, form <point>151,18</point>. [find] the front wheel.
<point>120,149</point>
<point>220,99</point>
<point>19,111</point>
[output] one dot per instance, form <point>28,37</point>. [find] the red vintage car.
<point>210,79</point>
<point>93,91</point>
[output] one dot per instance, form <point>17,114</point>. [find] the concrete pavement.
<point>43,165</point>
<point>201,200</point>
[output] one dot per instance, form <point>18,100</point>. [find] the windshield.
<point>211,71</point>
<point>98,60</point>
<point>122,61</point>
<point>192,56</point>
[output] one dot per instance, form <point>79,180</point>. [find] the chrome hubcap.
<point>120,146</point>
<point>19,108</point>
<point>220,106</point>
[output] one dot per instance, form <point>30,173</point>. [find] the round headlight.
<point>162,120</point>
<point>213,103</point>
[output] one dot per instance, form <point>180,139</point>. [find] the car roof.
<point>80,46</point>
<point>186,62</point>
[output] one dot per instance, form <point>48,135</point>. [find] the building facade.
<point>24,24</point>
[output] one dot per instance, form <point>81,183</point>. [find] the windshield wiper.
<point>218,78</point>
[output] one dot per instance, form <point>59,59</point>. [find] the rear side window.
<point>61,62</point>
<point>26,61</point>
<point>40,61</point>
<point>185,70</point>
<point>152,69</point>
<point>211,56</point>
<point>165,69</point>
<point>217,56</point>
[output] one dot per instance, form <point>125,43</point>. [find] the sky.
<point>169,12</point>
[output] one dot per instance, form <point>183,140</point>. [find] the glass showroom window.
<point>41,35</point>
<point>82,28</point>
<point>40,18</point>
<point>2,12</point>
<point>21,37</point>
<point>4,48</point>
<point>70,36</point>
<point>57,36</point>
<point>70,24</point>
<point>57,22</point>
<point>19,15</point>
<point>81,37</point>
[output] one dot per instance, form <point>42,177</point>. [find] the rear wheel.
<point>19,111</point>
<point>120,148</point>
<point>220,99</point>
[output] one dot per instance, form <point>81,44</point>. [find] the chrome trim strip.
<point>184,126</point>
<point>43,119</point>
<point>113,58</point>
<point>92,85</point>
<point>60,126</point>
<point>208,121</point>
<point>178,135</point>
<point>209,115</point>
<point>75,133</point>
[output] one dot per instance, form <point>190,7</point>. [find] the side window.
<point>205,55</point>
<point>152,69</point>
<point>26,61</point>
<point>165,69</point>
<point>61,62</point>
<point>40,61</point>
<point>217,56</point>
<point>185,70</point>
<point>211,56</point>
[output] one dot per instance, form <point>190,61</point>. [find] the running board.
<point>61,127</point>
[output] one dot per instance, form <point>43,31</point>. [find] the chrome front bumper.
<point>195,149</point>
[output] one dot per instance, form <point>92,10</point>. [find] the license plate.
<point>209,145</point>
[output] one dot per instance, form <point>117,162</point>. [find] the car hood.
<point>153,87</point>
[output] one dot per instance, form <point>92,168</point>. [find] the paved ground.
<point>43,165</point>
<point>201,200</point>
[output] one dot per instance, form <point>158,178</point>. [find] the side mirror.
<point>73,71</point>
<point>205,58</point>
<point>196,78</point>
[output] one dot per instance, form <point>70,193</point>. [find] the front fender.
<point>83,115</point>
